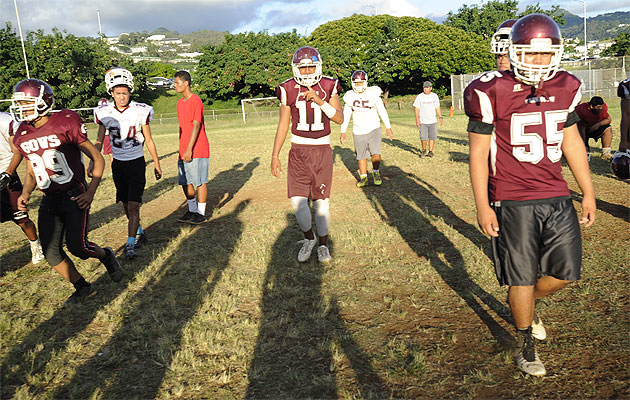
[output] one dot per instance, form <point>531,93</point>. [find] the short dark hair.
<point>596,101</point>
<point>184,76</point>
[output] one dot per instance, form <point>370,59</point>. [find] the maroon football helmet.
<point>359,81</point>
<point>306,57</point>
<point>620,164</point>
<point>31,95</point>
<point>501,38</point>
<point>535,33</point>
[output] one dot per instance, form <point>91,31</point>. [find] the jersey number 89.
<point>52,160</point>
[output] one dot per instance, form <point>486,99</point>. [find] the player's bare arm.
<point>187,156</point>
<point>478,165</point>
<point>417,111</point>
<point>100,137</point>
<point>390,134</point>
<point>281,134</point>
<point>16,159</point>
<point>27,188</point>
<point>575,153</point>
<point>148,139</point>
<point>85,199</point>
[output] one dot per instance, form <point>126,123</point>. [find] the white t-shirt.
<point>365,108</point>
<point>125,128</point>
<point>427,103</point>
<point>7,127</point>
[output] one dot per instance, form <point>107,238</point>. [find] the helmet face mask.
<point>531,36</point>
<point>117,77</point>
<point>31,99</point>
<point>359,81</point>
<point>307,57</point>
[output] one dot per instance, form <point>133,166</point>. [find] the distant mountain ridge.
<point>601,27</point>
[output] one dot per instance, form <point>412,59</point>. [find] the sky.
<point>79,17</point>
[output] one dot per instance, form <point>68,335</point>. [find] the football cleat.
<point>80,293</point>
<point>37,254</point>
<point>186,217</point>
<point>376,177</point>
<point>130,251</point>
<point>196,219</point>
<point>112,265</point>
<point>323,255</point>
<point>363,181</point>
<point>307,248</point>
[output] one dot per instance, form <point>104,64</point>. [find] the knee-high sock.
<point>322,216</point>
<point>302,212</point>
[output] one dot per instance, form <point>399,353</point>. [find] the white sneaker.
<point>323,255</point>
<point>37,254</point>
<point>306,250</point>
<point>538,329</point>
<point>526,357</point>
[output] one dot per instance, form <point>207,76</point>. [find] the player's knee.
<point>53,256</point>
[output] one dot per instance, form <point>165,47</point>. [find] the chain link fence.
<point>600,77</point>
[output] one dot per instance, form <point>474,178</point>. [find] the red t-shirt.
<point>188,111</point>
<point>589,118</point>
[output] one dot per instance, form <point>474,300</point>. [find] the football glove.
<point>5,178</point>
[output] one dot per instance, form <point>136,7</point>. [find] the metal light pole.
<point>586,58</point>
<point>98,16</point>
<point>28,75</point>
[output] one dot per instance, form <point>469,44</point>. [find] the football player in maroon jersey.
<point>522,200</point>
<point>53,144</point>
<point>309,101</point>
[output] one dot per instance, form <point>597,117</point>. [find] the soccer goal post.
<point>259,107</point>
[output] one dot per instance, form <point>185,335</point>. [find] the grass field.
<point>408,308</point>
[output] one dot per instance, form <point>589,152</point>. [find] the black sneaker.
<point>196,219</point>
<point>186,217</point>
<point>85,291</point>
<point>430,154</point>
<point>141,238</point>
<point>423,153</point>
<point>111,263</point>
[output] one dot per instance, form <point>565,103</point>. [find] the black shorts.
<point>61,218</point>
<point>598,133</point>
<point>537,238</point>
<point>8,202</point>
<point>129,178</point>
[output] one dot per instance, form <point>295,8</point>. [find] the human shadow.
<point>615,210</point>
<point>428,241</point>
<point>140,352</point>
<point>404,146</point>
<point>458,157</point>
<point>293,357</point>
<point>30,357</point>
<point>226,184</point>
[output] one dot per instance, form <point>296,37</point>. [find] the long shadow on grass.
<point>133,362</point>
<point>51,337</point>
<point>293,356</point>
<point>398,190</point>
<point>616,210</point>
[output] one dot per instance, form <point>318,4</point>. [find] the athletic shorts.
<point>59,218</point>
<point>598,133</point>
<point>194,172</point>
<point>310,171</point>
<point>129,179</point>
<point>367,145</point>
<point>537,238</point>
<point>8,202</point>
<point>107,145</point>
<point>428,131</point>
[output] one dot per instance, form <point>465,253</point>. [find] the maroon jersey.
<point>307,118</point>
<point>53,151</point>
<point>525,151</point>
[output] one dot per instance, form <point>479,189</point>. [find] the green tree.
<point>484,19</point>
<point>620,47</point>
<point>399,53</point>
<point>246,65</point>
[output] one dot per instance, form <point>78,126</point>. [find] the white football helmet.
<point>535,33</point>
<point>305,57</point>
<point>118,76</point>
<point>501,38</point>
<point>359,81</point>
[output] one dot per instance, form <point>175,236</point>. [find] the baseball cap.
<point>427,84</point>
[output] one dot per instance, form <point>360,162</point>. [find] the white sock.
<point>606,150</point>
<point>192,205</point>
<point>202,208</point>
<point>34,242</point>
<point>363,176</point>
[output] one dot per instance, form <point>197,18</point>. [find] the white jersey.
<point>7,127</point>
<point>427,103</point>
<point>125,128</point>
<point>365,108</point>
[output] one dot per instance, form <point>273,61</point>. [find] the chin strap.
<point>540,92</point>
